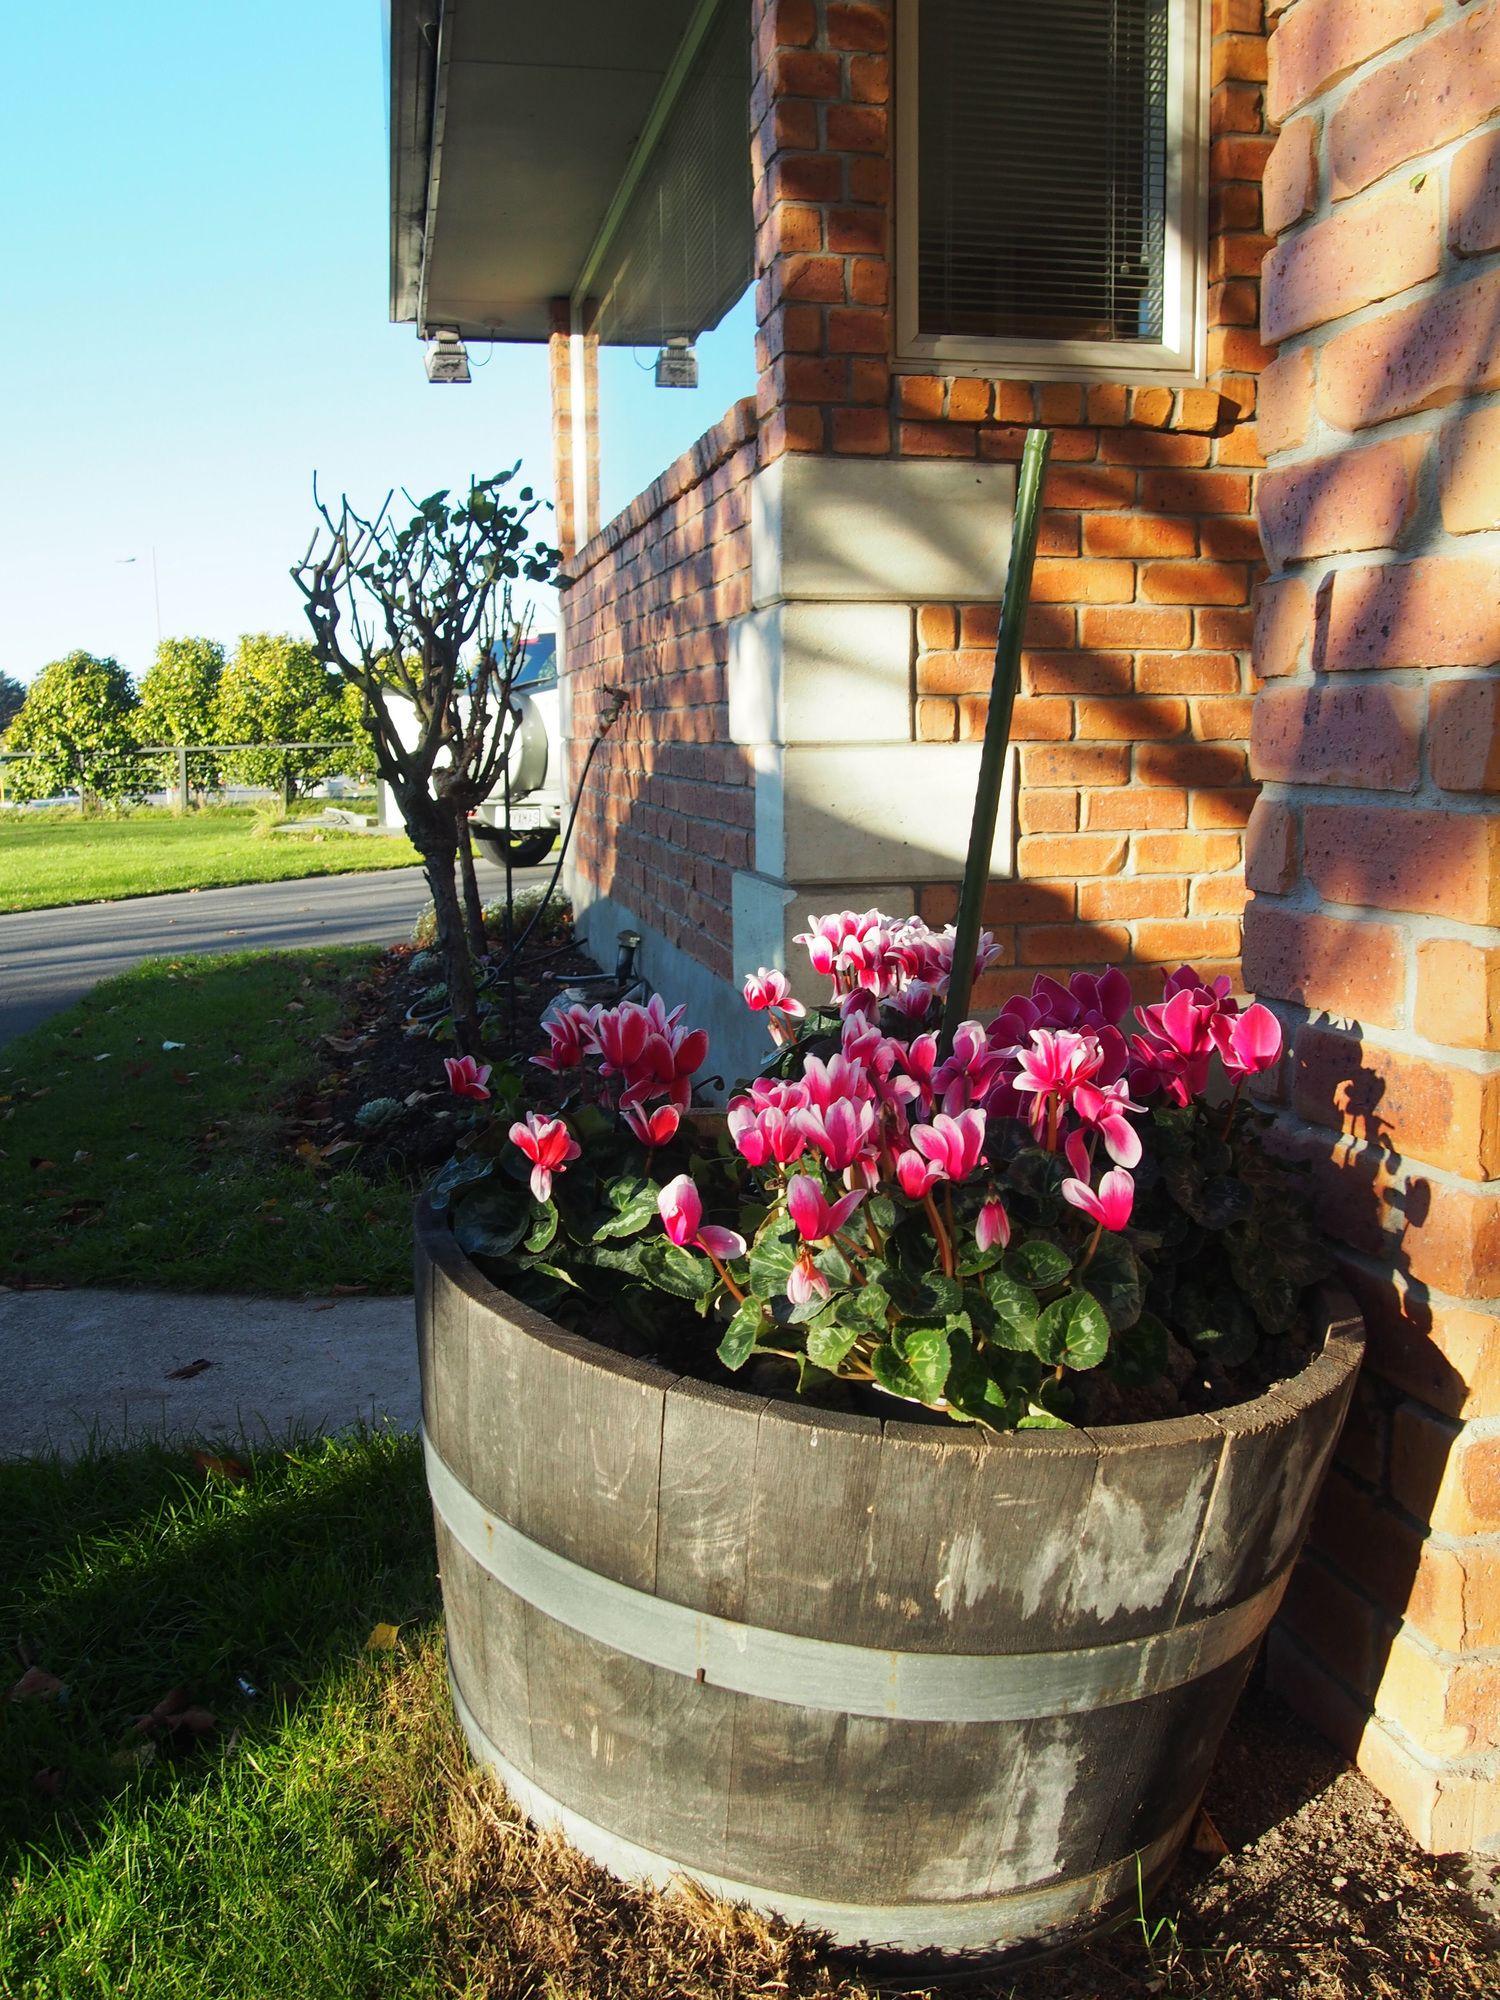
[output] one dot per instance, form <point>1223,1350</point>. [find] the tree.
<point>422,615</point>
<point>179,698</point>
<point>12,694</point>
<point>275,689</point>
<point>78,723</point>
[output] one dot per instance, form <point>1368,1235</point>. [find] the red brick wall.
<point>1375,850</point>
<point>667,815</point>
<point>1135,703</point>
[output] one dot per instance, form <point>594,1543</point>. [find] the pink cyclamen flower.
<point>768,990</point>
<point>805,1281</point>
<point>992,1225</point>
<point>681,1209</point>
<point>916,1174</point>
<point>954,1147</point>
<point>1056,1062</point>
<point>467,1078</point>
<point>843,1132</point>
<point>1110,1207</point>
<point>1248,1042</point>
<point>813,1213</point>
<point>570,1037</point>
<point>1103,1111</point>
<point>549,1146</point>
<point>652,1128</point>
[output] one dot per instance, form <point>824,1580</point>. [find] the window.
<point>1051,187</point>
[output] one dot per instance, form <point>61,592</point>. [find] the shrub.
<point>274,690</point>
<point>975,1230</point>
<point>78,724</point>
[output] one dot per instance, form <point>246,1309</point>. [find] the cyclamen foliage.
<point>968,1229</point>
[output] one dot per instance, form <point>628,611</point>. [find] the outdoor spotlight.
<point>447,359</point>
<point>677,365</point>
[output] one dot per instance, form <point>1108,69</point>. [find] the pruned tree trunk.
<point>463,1001</point>
<point>473,901</point>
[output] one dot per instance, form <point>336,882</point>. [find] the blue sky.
<point>195,252</point>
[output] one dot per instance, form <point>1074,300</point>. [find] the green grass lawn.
<point>126,1163</point>
<point>47,859</point>
<point>270,1856</point>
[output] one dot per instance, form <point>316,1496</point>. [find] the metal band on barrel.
<point>823,1673</point>
<point>964,1925</point>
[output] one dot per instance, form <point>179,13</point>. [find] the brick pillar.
<point>1374,852</point>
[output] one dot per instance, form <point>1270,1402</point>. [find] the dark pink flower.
<point>681,1208</point>
<point>813,1213</point>
<point>953,1146</point>
<point>1104,1111</point>
<point>570,1037</point>
<point>1110,1207</point>
<point>966,1076</point>
<point>467,1078</point>
<point>992,1225</point>
<point>549,1146</point>
<point>764,1124</point>
<point>916,1174</point>
<point>843,1132</point>
<point>1248,1042</point>
<point>652,1128</point>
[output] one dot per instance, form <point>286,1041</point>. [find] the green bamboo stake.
<point>1003,686</point>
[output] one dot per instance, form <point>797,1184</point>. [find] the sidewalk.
<point>82,1363</point>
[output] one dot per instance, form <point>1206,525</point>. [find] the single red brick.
<point>1464,736</point>
<point>1047,812</point>
<point>936,627</point>
<point>1353,970</point>
<point>1369,251</point>
<point>1221,719</point>
<point>1138,447</point>
<point>791,23</point>
<point>815,280</point>
<point>1138,535</point>
<point>851,331</point>
<point>807,176</point>
<point>1469,471</point>
<point>1284,412</point>
<point>1474,196</point>
<point>1125,898</point>
<point>1136,625</point>
<point>1271,847</point>
<point>1238,157</point>
<point>1075,764</point>
<point>856,231</point>
<point>1438,91</point>
<point>1193,939</point>
<point>1070,855</point>
<point>805,73</point>
<point>1138,719</point>
<point>1127,809</point>
<point>1078,673</point>
<point>1234,108</point>
<point>920,395</point>
<point>865,431</point>
<point>1195,492</point>
<point>1190,764</point>
<point>1073,944</point>
<point>937,720</point>
<point>1217,809</point>
<point>1060,581</point>
<point>1185,853</point>
<point>1187,673</point>
<point>1458,996</point>
<point>1363,736</point>
<point>1436,612</point>
<point>1320,41</point>
<point>1151,407</point>
<point>1106,403</point>
<point>1092,486</point>
<point>1194,583</point>
<point>1290,188</point>
<point>1349,500</point>
<point>1431,863</point>
<point>870,79</point>
<point>1230,538</point>
<point>938,440</point>
<point>857,27</point>
<point>870,283</point>
<point>969,399</point>
<point>1416,358</point>
<point>869,380</point>
<point>856,128</point>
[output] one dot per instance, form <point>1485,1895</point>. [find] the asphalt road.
<point>50,958</point>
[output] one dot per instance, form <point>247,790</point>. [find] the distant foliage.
<point>79,722</point>
<point>12,694</point>
<point>180,692</point>
<point>274,689</point>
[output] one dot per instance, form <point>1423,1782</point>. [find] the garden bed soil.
<point>380,1053</point>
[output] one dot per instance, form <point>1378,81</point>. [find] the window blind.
<point>684,248</point>
<point>1042,168</point>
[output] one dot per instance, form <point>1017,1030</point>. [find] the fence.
<point>175,763</point>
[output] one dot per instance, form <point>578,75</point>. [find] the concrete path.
<point>50,958</point>
<point>76,1364</point>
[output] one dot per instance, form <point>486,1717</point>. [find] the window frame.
<point>1179,358</point>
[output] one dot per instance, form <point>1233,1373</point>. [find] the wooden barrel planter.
<point>931,1692</point>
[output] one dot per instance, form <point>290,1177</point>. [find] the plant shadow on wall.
<point>1349,1103</point>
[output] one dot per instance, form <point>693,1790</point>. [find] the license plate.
<point>520,816</point>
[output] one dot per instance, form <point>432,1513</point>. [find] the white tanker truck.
<point>536,766</point>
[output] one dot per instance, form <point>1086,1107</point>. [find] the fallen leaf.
<point>188,1371</point>
<point>221,1468</point>
<point>383,1639</point>
<point>42,1165</point>
<point>36,1684</point>
<point>1207,1838</point>
<point>345,1291</point>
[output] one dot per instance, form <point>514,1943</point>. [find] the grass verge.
<point>124,1161</point>
<point>51,859</point>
